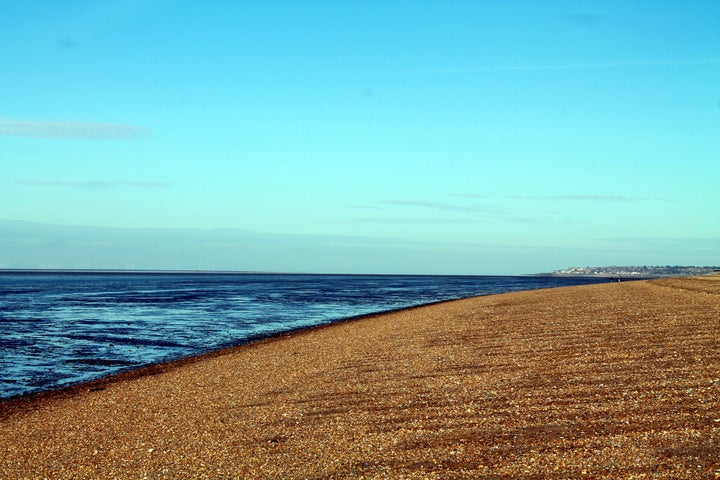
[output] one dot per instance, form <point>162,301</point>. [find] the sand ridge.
<point>616,380</point>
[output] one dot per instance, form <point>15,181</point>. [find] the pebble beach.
<point>614,380</point>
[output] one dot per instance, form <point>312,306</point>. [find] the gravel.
<point>617,380</point>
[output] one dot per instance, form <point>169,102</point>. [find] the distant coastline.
<point>111,271</point>
<point>634,271</point>
<point>121,271</point>
<point>628,271</point>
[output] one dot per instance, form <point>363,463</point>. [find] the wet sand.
<point>617,380</point>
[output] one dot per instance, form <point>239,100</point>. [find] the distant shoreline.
<point>609,276</point>
<point>612,272</point>
<point>72,271</point>
<point>103,271</point>
<point>636,271</point>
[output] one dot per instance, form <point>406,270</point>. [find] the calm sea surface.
<point>62,329</point>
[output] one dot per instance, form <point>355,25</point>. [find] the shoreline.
<point>15,404</point>
<point>141,366</point>
<point>612,380</point>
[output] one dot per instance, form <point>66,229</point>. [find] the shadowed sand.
<point>618,380</point>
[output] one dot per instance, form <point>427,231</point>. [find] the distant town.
<point>644,271</point>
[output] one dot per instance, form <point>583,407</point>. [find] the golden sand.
<point>618,380</point>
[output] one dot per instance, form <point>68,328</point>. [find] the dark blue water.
<point>62,329</point>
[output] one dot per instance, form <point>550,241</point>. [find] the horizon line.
<point>149,271</point>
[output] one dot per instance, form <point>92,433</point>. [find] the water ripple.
<point>60,329</point>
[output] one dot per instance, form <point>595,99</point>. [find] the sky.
<point>420,137</point>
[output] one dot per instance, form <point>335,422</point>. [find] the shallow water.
<point>62,329</point>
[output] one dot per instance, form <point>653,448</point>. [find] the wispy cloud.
<point>708,243</point>
<point>615,64</point>
<point>454,213</point>
<point>448,207</point>
<point>412,220</point>
<point>578,198</point>
<point>70,129</point>
<point>596,198</point>
<point>583,197</point>
<point>92,184</point>
<point>691,250</point>
<point>362,207</point>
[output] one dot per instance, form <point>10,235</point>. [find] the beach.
<point>614,380</point>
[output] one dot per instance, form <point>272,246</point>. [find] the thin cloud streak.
<point>574,198</point>
<point>448,207</point>
<point>92,184</point>
<point>411,220</point>
<point>709,243</point>
<point>468,214</point>
<point>66,129</point>
<point>595,198</point>
<point>579,66</point>
<point>579,198</point>
<point>362,207</point>
<point>444,220</point>
<point>428,204</point>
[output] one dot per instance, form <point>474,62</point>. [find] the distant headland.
<point>636,271</point>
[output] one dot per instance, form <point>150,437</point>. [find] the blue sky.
<point>478,137</point>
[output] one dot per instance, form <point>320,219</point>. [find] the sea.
<point>61,329</point>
